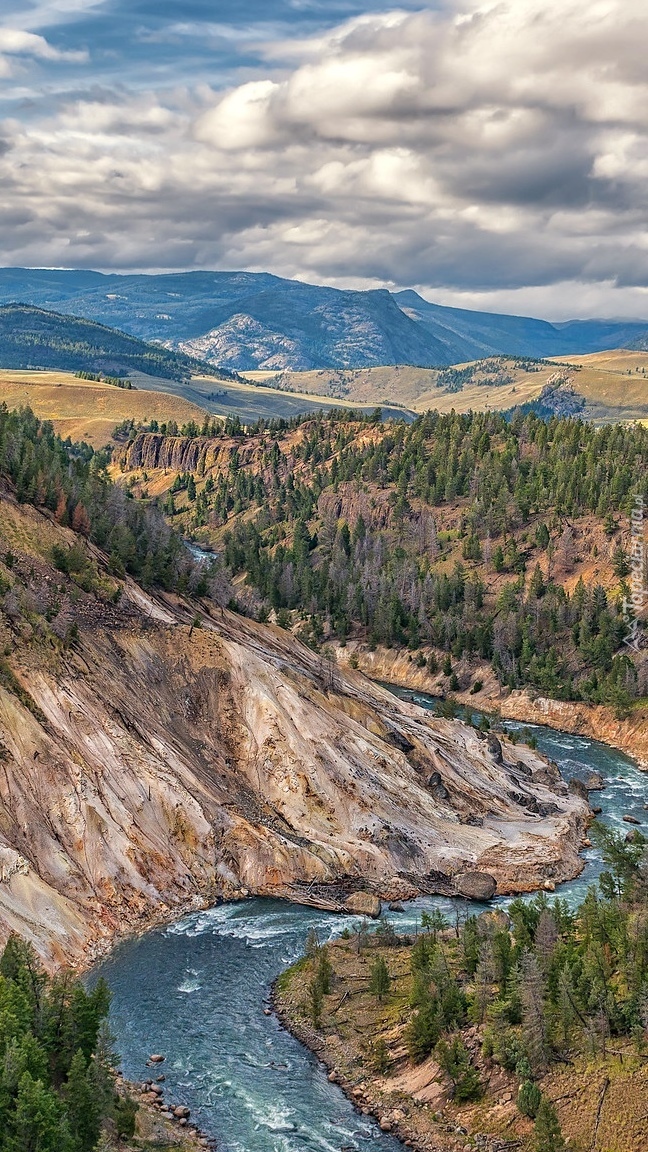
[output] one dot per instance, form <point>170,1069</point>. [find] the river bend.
<point>196,992</point>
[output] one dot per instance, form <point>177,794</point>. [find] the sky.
<point>491,155</point>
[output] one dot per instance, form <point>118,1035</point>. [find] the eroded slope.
<point>151,764</point>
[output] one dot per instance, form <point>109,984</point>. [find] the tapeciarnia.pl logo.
<point>632,605</point>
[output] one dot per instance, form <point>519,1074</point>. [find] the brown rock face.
<point>151,450</point>
<point>476,885</point>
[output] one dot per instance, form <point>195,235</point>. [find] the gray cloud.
<point>477,152</point>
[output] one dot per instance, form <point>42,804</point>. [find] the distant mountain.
<point>472,335</point>
<point>246,320</point>
<point>35,338</point>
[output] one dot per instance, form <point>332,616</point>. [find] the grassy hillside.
<point>87,409</point>
<point>34,338</point>
<point>474,543</point>
<point>609,384</point>
<point>614,384</point>
<point>90,409</point>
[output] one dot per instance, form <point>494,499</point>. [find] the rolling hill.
<point>245,321</point>
<point>90,409</point>
<point>32,337</point>
<point>604,386</point>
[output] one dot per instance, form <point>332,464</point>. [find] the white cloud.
<point>17,42</point>
<point>242,119</point>
<point>493,151</point>
<point>47,12</point>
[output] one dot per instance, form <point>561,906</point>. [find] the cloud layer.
<point>482,152</point>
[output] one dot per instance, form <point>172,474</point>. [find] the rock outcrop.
<point>152,450</point>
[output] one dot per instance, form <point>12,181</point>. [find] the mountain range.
<point>247,320</point>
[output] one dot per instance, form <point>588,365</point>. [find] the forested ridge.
<point>35,338</point>
<point>465,539</point>
<point>72,483</point>
<point>459,532</point>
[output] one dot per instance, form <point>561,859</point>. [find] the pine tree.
<point>83,1107</point>
<point>38,1123</point>
<point>533,1012</point>
<point>455,1060</point>
<point>312,943</point>
<point>380,980</point>
<point>529,1098</point>
<point>424,1028</point>
<point>548,1137</point>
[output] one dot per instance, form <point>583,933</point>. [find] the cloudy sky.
<point>489,154</point>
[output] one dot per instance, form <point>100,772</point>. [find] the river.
<point>196,991</point>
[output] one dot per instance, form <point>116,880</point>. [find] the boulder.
<point>631,820</point>
<point>181,1112</point>
<point>399,741</point>
<point>363,904</point>
<point>396,906</point>
<point>578,788</point>
<point>476,885</point>
<point>594,782</point>
<point>440,793</point>
<point>494,747</point>
<point>157,1059</point>
<point>437,787</point>
<point>582,786</point>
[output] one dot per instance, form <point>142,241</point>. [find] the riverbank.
<point>160,1125</point>
<point>629,733</point>
<point>362,1042</point>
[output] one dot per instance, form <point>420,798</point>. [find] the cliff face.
<point>159,767</point>
<point>151,450</point>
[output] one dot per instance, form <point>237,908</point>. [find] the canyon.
<point>170,757</point>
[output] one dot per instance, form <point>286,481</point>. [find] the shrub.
<point>380,980</point>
